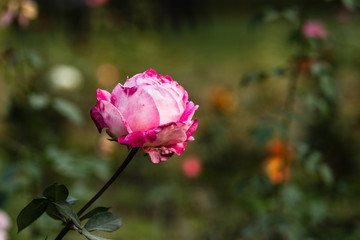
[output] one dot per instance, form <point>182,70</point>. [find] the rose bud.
<point>149,111</point>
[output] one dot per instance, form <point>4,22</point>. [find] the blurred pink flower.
<point>95,3</point>
<point>6,18</point>
<point>4,221</point>
<point>4,225</point>
<point>23,10</point>
<point>314,29</point>
<point>3,235</point>
<point>191,167</point>
<point>149,111</point>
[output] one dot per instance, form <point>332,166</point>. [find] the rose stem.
<point>101,191</point>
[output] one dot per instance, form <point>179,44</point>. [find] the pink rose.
<point>149,111</point>
<point>314,29</point>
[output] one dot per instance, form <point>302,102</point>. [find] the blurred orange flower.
<point>222,99</point>
<point>277,165</point>
<point>277,169</point>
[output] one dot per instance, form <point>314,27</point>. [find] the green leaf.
<point>56,192</point>
<point>91,236</point>
<point>31,212</point>
<point>71,200</point>
<point>312,162</point>
<point>326,174</point>
<point>54,213</point>
<point>327,86</point>
<point>68,212</point>
<point>350,4</point>
<point>292,15</point>
<point>94,211</point>
<point>103,221</point>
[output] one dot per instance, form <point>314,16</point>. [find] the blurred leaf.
<point>68,212</point>
<point>56,192</point>
<point>253,76</point>
<point>261,134</point>
<point>33,59</point>
<point>302,150</point>
<point>319,104</point>
<point>312,162</point>
<point>38,101</point>
<point>317,211</point>
<point>326,174</point>
<point>31,212</point>
<point>103,221</point>
<point>270,14</point>
<point>327,86</point>
<point>91,236</point>
<point>291,195</point>
<point>350,4</point>
<point>68,110</point>
<point>292,15</point>
<point>94,211</point>
<point>267,14</point>
<point>278,72</point>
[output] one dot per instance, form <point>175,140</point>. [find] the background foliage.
<point>269,96</point>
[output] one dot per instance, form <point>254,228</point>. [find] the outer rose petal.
<point>189,111</point>
<point>106,115</point>
<point>191,130</point>
<point>159,154</point>
<point>137,139</point>
<point>171,133</point>
<point>103,95</point>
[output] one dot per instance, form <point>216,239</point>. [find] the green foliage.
<point>91,236</point>
<point>31,212</point>
<point>56,192</point>
<point>93,212</point>
<point>68,212</point>
<point>103,221</point>
<point>58,205</point>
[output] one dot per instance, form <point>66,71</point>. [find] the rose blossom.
<point>314,29</point>
<point>149,111</point>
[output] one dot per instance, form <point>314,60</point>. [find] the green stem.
<point>131,155</point>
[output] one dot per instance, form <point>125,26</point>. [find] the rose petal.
<point>103,95</point>
<point>159,154</point>
<point>138,138</point>
<point>138,108</point>
<point>191,130</point>
<point>169,106</point>
<point>189,111</point>
<point>171,133</point>
<point>106,115</point>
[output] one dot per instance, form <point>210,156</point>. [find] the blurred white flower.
<point>65,77</point>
